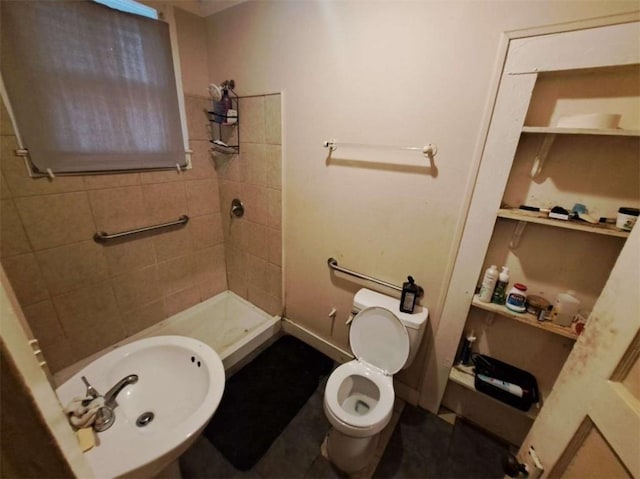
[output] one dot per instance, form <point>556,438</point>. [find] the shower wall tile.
<point>257,272</point>
<point>164,201</point>
<point>118,209</point>
<point>251,119</point>
<point>25,277</point>
<point>274,280</point>
<point>254,243</point>
<point>173,243</point>
<point>216,285</point>
<point>273,119</point>
<point>59,355</point>
<point>201,160</point>
<point>181,300</point>
<point>258,240</point>
<point>275,246</point>
<point>197,120</point>
<point>5,192</point>
<point>137,287</point>
<point>97,337</point>
<point>43,320</point>
<point>13,238</point>
<point>254,162</point>
<point>143,317</point>
<point>209,262</point>
<point>206,231</point>
<point>256,203</point>
<point>72,266</point>
<point>273,155</point>
<point>239,286</point>
<point>96,182</point>
<point>176,274</point>
<point>202,197</point>
<point>83,308</point>
<point>167,176</point>
<point>56,220</point>
<point>274,214</point>
<point>129,254</point>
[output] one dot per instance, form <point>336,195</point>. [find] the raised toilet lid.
<point>379,338</point>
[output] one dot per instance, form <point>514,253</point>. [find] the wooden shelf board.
<point>579,131</point>
<point>543,219</point>
<point>463,376</point>
<point>525,318</point>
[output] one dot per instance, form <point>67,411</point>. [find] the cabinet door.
<point>590,424</point>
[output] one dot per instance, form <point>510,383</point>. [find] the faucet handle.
<point>91,391</point>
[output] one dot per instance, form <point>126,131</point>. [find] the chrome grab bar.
<point>101,236</point>
<point>333,264</point>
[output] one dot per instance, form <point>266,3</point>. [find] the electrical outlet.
<point>533,464</point>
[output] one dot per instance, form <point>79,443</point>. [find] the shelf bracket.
<point>543,152</point>
<point>517,235</point>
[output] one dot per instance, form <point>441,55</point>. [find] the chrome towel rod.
<point>101,236</point>
<point>333,264</point>
<point>429,151</point>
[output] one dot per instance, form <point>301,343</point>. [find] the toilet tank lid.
<point>365,298</point>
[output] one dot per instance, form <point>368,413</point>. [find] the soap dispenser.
<point>409,296</point>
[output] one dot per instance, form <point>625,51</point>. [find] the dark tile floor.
<point>422,446</point>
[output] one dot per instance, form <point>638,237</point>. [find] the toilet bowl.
<point>359,395</point>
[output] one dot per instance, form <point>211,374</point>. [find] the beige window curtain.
<point>91,88</point>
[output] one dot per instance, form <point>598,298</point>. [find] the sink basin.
<point>180,381</point>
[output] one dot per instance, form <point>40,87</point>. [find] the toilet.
<point>359,395</point>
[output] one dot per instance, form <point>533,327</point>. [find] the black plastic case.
<point>493,368</point>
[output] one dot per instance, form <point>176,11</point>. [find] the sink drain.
<point>144,419</point>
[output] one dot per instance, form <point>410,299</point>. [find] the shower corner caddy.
<point>225,129</point>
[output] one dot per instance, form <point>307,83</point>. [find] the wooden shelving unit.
<point>579,131</point>
<point>543,219</point>
<point>525,318</point>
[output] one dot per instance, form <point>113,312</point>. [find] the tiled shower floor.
<point>422,446</point>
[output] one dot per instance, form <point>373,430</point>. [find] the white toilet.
<point>359,396</point>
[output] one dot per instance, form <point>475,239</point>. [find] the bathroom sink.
<point>180,382</point>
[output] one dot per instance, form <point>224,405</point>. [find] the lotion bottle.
<point>500,292</point>
<point>488,284</point>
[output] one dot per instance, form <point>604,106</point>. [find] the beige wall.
<point>403,73</point>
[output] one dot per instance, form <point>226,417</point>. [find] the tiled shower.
<point>79,296</point>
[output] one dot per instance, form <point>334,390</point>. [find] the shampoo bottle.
<point>500,293</point>
<point>488,284</point>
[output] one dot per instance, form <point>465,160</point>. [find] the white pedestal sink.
<point>180,381</point>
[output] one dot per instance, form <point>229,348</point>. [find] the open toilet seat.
<point>380,343</point>
<point>377,417</point>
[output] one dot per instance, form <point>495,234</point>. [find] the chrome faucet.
<point>110,396</point>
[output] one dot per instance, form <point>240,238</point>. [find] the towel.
<point>82,411</point>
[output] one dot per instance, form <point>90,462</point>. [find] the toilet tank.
<point>415,323</point>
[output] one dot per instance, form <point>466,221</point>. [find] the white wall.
<point>403,73</point>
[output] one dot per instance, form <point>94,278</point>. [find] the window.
<point>91,88</point>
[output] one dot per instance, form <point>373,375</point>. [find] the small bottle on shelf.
<point>488,284</point>
<point>500,292</point>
